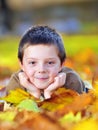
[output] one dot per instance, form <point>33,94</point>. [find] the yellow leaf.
<point>16,96</point>
<point>89,124</point>
<point>60,98</point>
<point>8,115</point>
<point>96,88</point>
<point>70,117</point>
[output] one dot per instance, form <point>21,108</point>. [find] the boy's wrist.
<point>36,94</point>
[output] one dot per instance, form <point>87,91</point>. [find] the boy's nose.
<point>41,68</point>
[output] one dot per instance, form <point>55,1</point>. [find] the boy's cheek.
<point>55,72</point>
<point>52,77</point>
<point>29,74</point>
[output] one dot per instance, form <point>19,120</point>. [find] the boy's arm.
<point>73,81</point>
<point>13,83</point>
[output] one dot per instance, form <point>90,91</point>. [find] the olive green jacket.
<point>73,81</point>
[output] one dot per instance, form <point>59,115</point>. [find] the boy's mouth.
<point>41,78</point>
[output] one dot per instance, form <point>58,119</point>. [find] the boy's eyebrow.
<point>45,59</point>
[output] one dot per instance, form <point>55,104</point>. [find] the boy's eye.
<point>50,62</point>
<point>33,62</point>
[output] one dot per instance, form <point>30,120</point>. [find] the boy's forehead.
<point>41,48</point>
<point>40,45</point>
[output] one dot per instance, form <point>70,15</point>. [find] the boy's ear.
<point>62,65</point>
<point>20,64</point>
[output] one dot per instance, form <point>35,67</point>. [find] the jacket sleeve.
<point>13,83</point>
<point>73,81</point>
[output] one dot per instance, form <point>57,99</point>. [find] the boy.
<point>41,56</point>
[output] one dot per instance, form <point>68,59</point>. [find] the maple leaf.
<point>60,98</point>
<point>70,117</point>
<point>96,88</point>
<point>80,103</point>
<point>28,105</point>
<point>94,107</point>
<point>7,115</point>
<point>36,121</point>
<point>17,95</point>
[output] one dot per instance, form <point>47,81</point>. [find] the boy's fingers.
<point>59,81</point>
<point>47,95</point>
<point>22,75</point>
<point>26,84</point>
<point>62,78</point>
<point>36,94</point>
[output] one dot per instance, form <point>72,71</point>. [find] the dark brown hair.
<point>42,35</point>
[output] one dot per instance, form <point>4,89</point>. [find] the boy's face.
<point>41,64</point>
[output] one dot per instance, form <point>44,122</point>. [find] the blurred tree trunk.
<point>7,15</point>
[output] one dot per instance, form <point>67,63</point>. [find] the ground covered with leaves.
<point>66,110</point>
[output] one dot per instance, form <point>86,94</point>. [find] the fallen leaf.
<point>28,105</point>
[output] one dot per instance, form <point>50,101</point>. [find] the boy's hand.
<point>58,82</point>
<point>29,86</point>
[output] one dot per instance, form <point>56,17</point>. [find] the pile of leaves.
<point>66,110</point>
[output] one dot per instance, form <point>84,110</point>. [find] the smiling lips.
<point>41,78</point>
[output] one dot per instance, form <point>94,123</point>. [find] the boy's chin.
<point>41,86</point>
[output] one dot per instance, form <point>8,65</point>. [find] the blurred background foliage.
<point>76,20</point>
<point>67,16</point>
